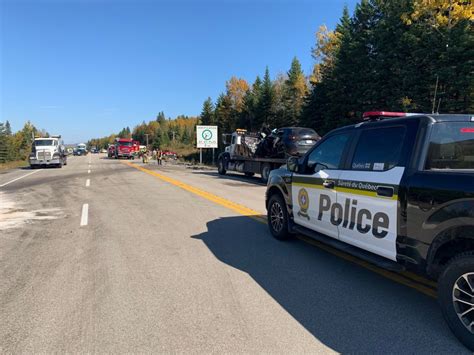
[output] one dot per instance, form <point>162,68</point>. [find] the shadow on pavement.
<point>346,307</point>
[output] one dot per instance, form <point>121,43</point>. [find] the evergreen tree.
<point>160,118</point>
<point>295,91</point>
<point>224,114</point>
<point>3,143</point>
<point>185,138</point>
<point>265,108</point>
<point>8,129</point>
<point>207,114</point>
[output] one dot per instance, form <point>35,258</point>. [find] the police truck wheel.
<point>265,172</point>
<point>221,167</point>
<point>456,297</point>
<point>277,217</point>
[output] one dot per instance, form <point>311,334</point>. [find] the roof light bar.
<point>379,115</point>
<point>372,114</point>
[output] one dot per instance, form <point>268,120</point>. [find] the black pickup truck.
<point>396,190</point>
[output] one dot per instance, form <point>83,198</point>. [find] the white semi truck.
<point>48,152</point>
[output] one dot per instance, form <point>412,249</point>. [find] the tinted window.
<point>378,149</point>
<point>329,153</point>
<point>451,146</point>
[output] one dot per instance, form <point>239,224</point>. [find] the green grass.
<point>13,164</point>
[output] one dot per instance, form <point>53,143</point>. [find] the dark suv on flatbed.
<point>396,190</point>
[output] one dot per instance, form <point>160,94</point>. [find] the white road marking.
<point>88,182</point>
<point>89,171</point>
<point>85,214</point>
<point>21,177</point>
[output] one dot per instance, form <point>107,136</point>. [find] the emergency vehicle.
<point>124,148</point>
<point>396,190</point>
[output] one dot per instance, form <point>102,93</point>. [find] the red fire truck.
<point>124,148</point>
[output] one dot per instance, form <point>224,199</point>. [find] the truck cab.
<point>124,148</point>
<point>48,152</point>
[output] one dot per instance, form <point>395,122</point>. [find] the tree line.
<point>160,133</point>
<point>17,146</point>
<point>397,55</point>
<point>389,55</point>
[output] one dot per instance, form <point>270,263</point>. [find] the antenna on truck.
<point>434,98</point>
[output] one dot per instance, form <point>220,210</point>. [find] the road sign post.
<point>206,137</point>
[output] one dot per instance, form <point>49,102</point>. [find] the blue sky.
<point>88,68</point>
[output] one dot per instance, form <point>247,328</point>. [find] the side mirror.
<point>292,163</point>
<point>315,167</point>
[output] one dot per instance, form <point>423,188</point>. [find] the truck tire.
<point>265,172</point>
<point>277,217</point>
<point>455,295</point>
<point>221,166</point>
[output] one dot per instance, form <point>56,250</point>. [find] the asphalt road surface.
<point>102,257</point>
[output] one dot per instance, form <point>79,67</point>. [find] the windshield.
<point>451,146</point>
<point>127,144</point>
<point>44,142</point>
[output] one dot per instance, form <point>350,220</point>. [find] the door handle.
<point>384,191</point>
<point>328,184</point>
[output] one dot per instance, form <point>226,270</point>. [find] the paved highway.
<point>100,256</point>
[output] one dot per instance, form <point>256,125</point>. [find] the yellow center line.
<point>243,210</point>
<point>406,278</point>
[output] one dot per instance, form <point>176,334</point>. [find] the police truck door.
<point>314,192</point>
<point>368,192</point>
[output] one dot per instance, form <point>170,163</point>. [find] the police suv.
<point>396,190</point>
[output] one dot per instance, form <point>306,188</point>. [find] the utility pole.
<point>146,135</point>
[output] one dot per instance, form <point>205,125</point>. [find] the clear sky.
<point>88,68</point>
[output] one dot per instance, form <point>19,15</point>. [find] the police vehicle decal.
<point>366,188</point>
<point>361,208</point>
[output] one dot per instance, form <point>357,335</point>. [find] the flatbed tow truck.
<point>244,151</point>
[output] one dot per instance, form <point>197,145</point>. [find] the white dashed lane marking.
<point>85,214</point>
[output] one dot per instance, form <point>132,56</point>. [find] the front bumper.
<point>35,161</point>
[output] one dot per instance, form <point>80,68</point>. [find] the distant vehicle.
<point>48,152</point>
<point>103,151</point>
<point>396,191</point>
<point>261,152</point>
<point>124,148</point>
<point>80,149</point>
<point>170,155</point>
